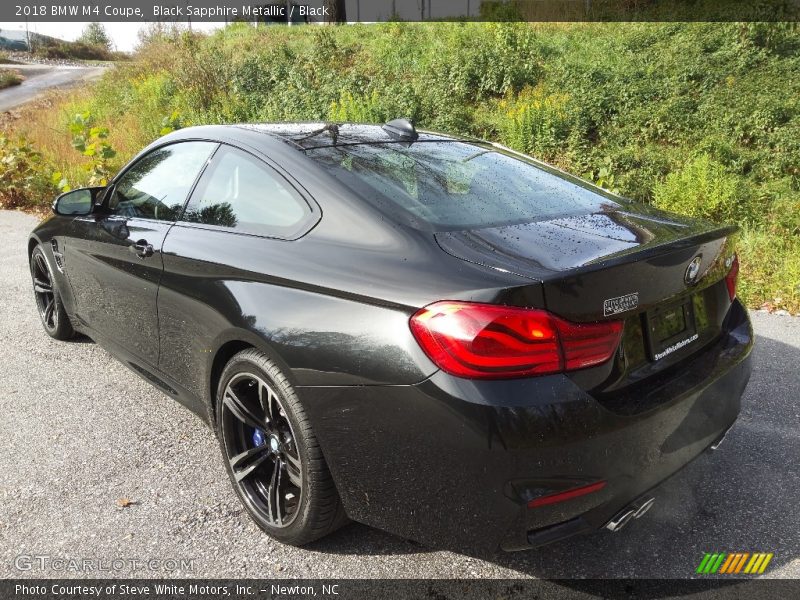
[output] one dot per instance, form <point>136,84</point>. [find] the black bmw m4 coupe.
<point>435,336</point>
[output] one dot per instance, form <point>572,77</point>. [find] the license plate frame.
<point>659,338</point>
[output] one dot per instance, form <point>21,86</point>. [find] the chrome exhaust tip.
<point>635,510</point>
<point>644,507</point>
<point>721,439</point>
<point>620,520</point>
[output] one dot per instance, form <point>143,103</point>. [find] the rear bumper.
<point>453,462</point>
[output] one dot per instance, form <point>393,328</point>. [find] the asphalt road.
<point>80,432</point>
<point>39,78</point>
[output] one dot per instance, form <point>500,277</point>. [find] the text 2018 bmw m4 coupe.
<point>434,336</point>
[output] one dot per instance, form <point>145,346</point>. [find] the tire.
<point>48,299</point>
<point>271,454</point>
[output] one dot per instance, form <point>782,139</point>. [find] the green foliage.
<point>770,270</point>
<point>603,177</point>
<point>356,109</point>
<point>702,118</point>
<point>94,34</point>
<point>702,188</point>
<point>61,50</point>
<point>90,140</point>
<point>9,78</point>
<point>23,174</point>
<point>535,122</point>
<point>171,123</point>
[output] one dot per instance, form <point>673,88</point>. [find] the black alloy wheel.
<point>48,301</point>
<point>261,449</point>
<point>271,454</point>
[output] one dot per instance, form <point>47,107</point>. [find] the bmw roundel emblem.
<point>692,271</point>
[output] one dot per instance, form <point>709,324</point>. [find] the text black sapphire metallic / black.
<point>433,336</point>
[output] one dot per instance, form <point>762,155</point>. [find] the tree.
<point>337,12</point>
<point>95,35</point>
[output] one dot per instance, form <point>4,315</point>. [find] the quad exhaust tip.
<point>634,510</point>
<point>720,439</point>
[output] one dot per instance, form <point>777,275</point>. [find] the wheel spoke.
<point>42,287</point>
<point>41,267</point>
<point>48,312</point>
<point>240,411</point>
<point>274,492</point>
<point>244,457</point>
<point>293,469</point>
<point>252,458</point>
<point>267,400</point>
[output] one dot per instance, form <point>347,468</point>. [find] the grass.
<point>9,78</point>
<point>4,58</point>
<point>698,118</point>
<point>81,51</point>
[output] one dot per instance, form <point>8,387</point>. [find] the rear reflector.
<point>567,495</point>
<point>488,341</point>
<point>730,278</point>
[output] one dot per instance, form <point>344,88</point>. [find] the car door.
<point>237,225</point>
<point>113,257</point>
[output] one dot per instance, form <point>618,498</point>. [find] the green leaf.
<point>79,143</point>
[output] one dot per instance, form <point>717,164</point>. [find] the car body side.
<point>411,449</point>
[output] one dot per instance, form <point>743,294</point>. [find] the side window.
<point>156,186</point>
<point>243,193</point>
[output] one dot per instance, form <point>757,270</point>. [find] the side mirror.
<point>78,202</point>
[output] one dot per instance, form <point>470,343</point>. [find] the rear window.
<point>457,185</point>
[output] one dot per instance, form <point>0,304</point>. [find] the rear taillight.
<point>487,341</point>
<point>730,278</point>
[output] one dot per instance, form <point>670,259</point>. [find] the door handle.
<point>142,249</point>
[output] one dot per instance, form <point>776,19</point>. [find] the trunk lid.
<point>627,262</point>
<point>584,260</point>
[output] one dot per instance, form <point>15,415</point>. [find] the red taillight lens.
<point>487,341</point>
<point>730,278</point>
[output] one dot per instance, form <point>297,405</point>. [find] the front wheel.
<point>48,300</point>
<point>271,453</point>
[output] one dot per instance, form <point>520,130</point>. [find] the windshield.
<point>457,185</point>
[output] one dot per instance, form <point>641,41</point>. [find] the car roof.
<point>319,135</point>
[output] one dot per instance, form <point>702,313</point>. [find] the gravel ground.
<point>28,58</point>
<point>80,433</point>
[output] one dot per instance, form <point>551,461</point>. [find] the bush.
<point>24,175</point>
<point>535,122</point>
<point>95,34</point>
<point>61,50</point>
<point>361,109</point>
<point>703,188</point>
<point>701,118</point>
<point>770,270</point>
<point>9,78</point>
